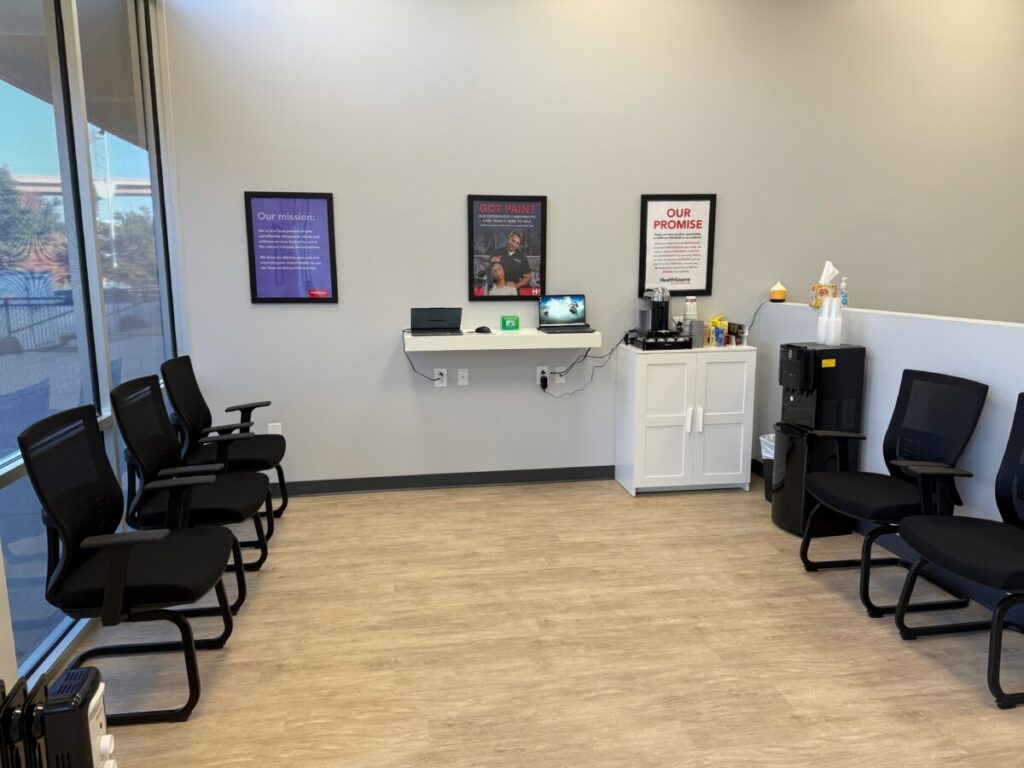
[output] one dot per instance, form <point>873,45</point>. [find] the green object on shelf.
<point>510,322</point>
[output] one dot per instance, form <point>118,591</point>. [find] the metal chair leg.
<point>876,611</point>
<point>820,565</point>
<point>284,492</point>
<point>903,607</point>
<point>187,645</point>
<point>1003,699</point>
<point>268,513</point>
<point>261,543</point>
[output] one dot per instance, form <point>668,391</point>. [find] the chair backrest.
<point>72,477</point>
<point>145,426</point>
<point>186,399</point>
<point>934,418</point>
<point>1010,477</point>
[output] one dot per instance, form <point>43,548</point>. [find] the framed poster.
<point>291,247</point>
<point>677,243</point>
<point>507,247</point>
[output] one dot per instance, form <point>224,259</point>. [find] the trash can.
<point>796,454</point>
<point>767,463</point>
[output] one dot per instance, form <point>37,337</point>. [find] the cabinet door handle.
<point>689,420</point>
<point>700,418</point>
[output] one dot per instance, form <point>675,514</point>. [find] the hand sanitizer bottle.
<point>844,293</point>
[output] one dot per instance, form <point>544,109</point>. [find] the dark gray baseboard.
<point>447,480</point>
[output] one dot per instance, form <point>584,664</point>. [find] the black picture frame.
<point>672,241</point>
<point>493,220</point>
<point>276,253</point>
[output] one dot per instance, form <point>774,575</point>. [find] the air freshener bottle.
<point>844,293</point>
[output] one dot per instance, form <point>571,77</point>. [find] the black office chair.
<point>153,453</point>
<point>934,418</point>
<point>987,552</point>
<point>193,416</point>
<point>94,572</point>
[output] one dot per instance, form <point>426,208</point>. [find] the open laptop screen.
<point>562,310</point>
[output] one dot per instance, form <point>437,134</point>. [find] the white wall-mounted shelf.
<point>526,338</point>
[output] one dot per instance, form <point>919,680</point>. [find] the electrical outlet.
<point>542,370</point>
<point>440,377</point>
<point>558,379</point>
<point>463,377</point>
<point>274,428</point>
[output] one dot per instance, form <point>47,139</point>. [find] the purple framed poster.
<point>291,247</point>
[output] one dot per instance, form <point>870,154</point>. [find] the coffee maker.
<point>654,311</point>
<point>654,330</point>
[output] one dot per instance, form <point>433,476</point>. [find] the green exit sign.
<point>510,322</point>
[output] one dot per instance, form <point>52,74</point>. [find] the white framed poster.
<point>677,243</point>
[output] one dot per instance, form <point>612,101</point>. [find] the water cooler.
<point>822,389</point>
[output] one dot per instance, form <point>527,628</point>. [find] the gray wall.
<point>881,135</point>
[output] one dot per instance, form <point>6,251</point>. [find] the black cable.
<point>586,355</point>
<point>751,324</point>
<point>428,378</point>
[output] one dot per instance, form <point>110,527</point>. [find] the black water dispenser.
<point>822,390</point>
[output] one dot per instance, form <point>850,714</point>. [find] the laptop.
<point>563,314</point>
<point>435,321</point>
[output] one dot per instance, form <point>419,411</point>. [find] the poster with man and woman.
<point>507,246</point>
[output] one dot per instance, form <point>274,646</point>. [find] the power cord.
<point>751,325</point>
<point>428,378</point>
<point>585,356</point>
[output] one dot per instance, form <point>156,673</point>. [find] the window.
<point>113,68</point>
<point>63,254</point>
<point>44,355</point>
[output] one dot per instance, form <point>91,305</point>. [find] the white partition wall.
<point>989,352</point>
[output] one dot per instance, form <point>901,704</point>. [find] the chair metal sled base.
<point>188,646</point>
<point>996,626</point>
<point>260,542</point>
<point>865,563</point>
<point>284,494</point>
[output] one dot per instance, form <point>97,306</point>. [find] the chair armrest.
<point>223,443</point>
<point>936,470</point>
<point>225,438</point>
<point>837,434</point>
<point>842,444</point>
<point>120,547</point>
<point>180,482</point>
<point>248,406</point>
<point>916,463</point>
<point>129,539</point>
<point>176,515</point>
<point>246,410</point>
<point>226,428</point>
<point>195,469</point>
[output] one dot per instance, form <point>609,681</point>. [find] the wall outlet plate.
<point>463,377</point>
<point>440,377</point>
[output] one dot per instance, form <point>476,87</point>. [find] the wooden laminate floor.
<point>563,625</point>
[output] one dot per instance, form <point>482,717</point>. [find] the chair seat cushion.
<point>231,499</point>
<point>865,495</point>
<point>255,453</point>
<point>178,570</point>
<point>985,551</point>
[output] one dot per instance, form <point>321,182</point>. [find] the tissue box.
<point>820,291</point>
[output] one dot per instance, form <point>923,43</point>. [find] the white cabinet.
<point>683,419</point>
